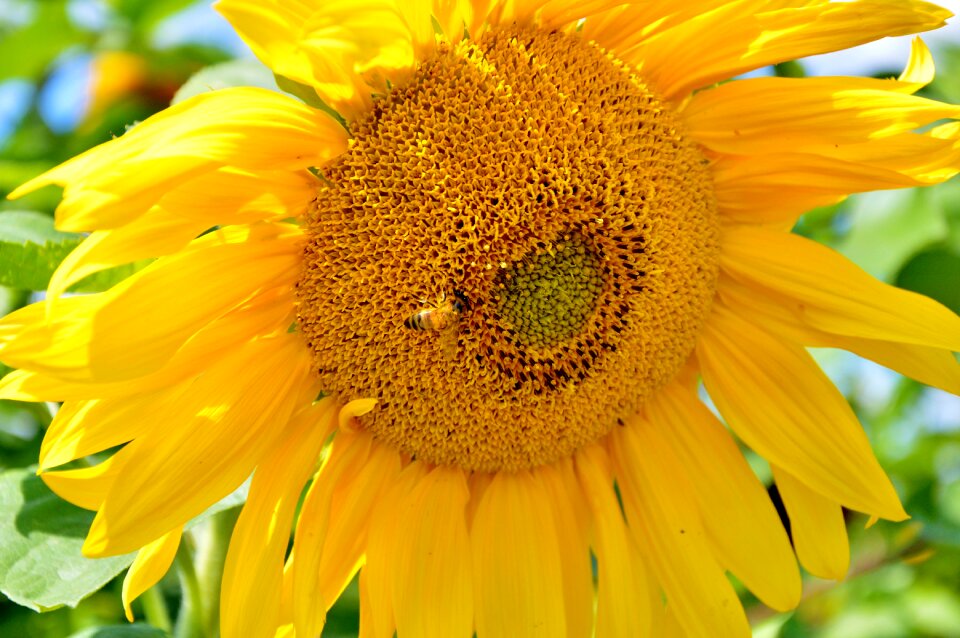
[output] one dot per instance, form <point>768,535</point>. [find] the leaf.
<point>302,91</point>
<point>308,96</point>
<point>901,222</point>
<point>41,566</point>
<point>108,278</point>
<point>935,273</point>
<point>41,535</point>
<point>31,249</point>
<point>29,253</point>
<point>225,75</point>
<point>136,630</point>
<point>28,226</point>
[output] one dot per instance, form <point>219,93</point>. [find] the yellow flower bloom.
<point>592,223</point>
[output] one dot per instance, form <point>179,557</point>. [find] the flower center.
<point>519,247</point>
<point>547,298</point>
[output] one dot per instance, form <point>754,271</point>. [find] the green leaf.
<point>31,249</point>
<point>106,279</point>
<point>41,566</point>
<point>889,227</point>
<point>136,630</point>
<point>41,535</point>
<point>308,96</point>
<point>301,91</point>
<point>935,273</point>
<point>789,69</point>
<point>225,75</point>
<point>28,226</point>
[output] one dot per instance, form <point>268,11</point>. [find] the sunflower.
<point>476,276</point>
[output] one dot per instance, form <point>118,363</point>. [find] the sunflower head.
<point>536,175</point>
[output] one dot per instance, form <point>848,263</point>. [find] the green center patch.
<point>548,297</point>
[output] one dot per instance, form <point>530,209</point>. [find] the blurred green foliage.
<point>905,578</point>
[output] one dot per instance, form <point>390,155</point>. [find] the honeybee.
<point>444,319</point>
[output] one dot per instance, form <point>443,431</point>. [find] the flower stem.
<point>190,619</point>
<point>211,556</point>
<point>155,609</point>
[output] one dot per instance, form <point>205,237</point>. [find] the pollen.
<point>538,179</point>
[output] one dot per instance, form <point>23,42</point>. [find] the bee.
<point>443,318</point>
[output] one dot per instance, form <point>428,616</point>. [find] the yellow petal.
<point>137,326</point>
<point>927,158</point>
<point>666,624</point>
<point>328,45</point>
<point>558,14</point>
<point>253,573</point>
<point>622,591</point>
<point>353,409</point>
<point>418,17</point>
<point>347,456</point>
<point>661,510</point>
<point>572,516</point>
<point>816,522</point>
<point>225,196</point>
<point>805,426</point>
<point>454,16</point>
<point>695,53</point>
<point>351,511</point>
<point>233,196</point>
<point>432,590</point>
<point>518,586</point>
<point>265,314</point>
<point>376,578</point>
<point>225,423</point>
<point>82,428</point>
<point>249,128</point>
<point>155,234</point>
<point>766,115</point>
<point>273,29</point>
<point>920,67</point>
<point>778,187</point>
<point>86,487</point>
<point>737,513</point>
<point>626,26</point>
<point>836,295</point>
<point>784,316</point>
<point>286,598</point>
<point>367,627</point>
<point>150,565</point>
